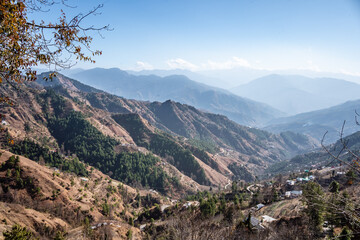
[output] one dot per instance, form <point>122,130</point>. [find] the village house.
<point>290,182</point>
<point>259,206</point>
<point>255,223</point>
<point>293,194</point>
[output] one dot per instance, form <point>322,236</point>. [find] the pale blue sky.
<point>320,35</point>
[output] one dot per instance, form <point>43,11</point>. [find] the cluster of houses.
<point>300,180</point>
<point>295,193</point>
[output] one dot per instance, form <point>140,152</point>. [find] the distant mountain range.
<point>291,93</point>
<point>181,89</point>
<point>242,144</point>
<point>320,157</point>
<point>316,123</point>
<point>198,77</point>
<point>295,94</point>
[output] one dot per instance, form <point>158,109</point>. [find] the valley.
<point>179,120</point>
<point>166,152</point>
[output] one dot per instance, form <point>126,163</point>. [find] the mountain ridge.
<point>181,89</point>
<point>237,144</point>
<point>316,123</point>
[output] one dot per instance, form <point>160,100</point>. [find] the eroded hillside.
<point>184,147</point>
<point>47,200</point>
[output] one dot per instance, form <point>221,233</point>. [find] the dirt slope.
<point>64,201</point>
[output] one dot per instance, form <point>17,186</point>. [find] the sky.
<point>200,35</point>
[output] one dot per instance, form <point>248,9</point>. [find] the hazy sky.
<point>321,35</point>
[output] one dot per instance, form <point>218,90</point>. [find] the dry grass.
<point>73,193</point>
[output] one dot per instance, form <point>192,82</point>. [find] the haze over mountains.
<point>232,78</point>
<point>295,94</point>
<point>316,123</point>
<point>292,94</point>
<point>182,89</point>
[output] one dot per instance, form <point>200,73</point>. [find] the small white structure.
<point>259,206</point>
<point>268,219</point>
<point>3,122</point>
<point>163,207</point>
<point>287,194</point>
<point>153,191</point>
<point>290,182</point>
<point>187,204</point>
<point>296,193</point>
<point>311,177</point>
<point>256,223</point>
<point>191,203</point>
<point>84,179</point>
<point>142,227</point>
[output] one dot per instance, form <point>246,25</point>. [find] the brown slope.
<point>239,143</point>
<point>99,118</point>
<point>76,199</point>
<point>184,120</point>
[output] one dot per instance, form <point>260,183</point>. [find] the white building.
<point>259,206</point>
<point>290,182</point>
<point>287,194</point>
<point>296,193</point>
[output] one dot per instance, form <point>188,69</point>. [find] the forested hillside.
<point>163,145</point>
<point>79,120</point>
<point>189,122</point>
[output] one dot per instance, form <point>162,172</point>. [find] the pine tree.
<point>18,233</point>
<point>313,198</point>
<point>334,187</point>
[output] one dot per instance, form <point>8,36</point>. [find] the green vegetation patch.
<point>163,145</point>
<point>77,135</point>
<point>34,151</point>
<point>241,173</point>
